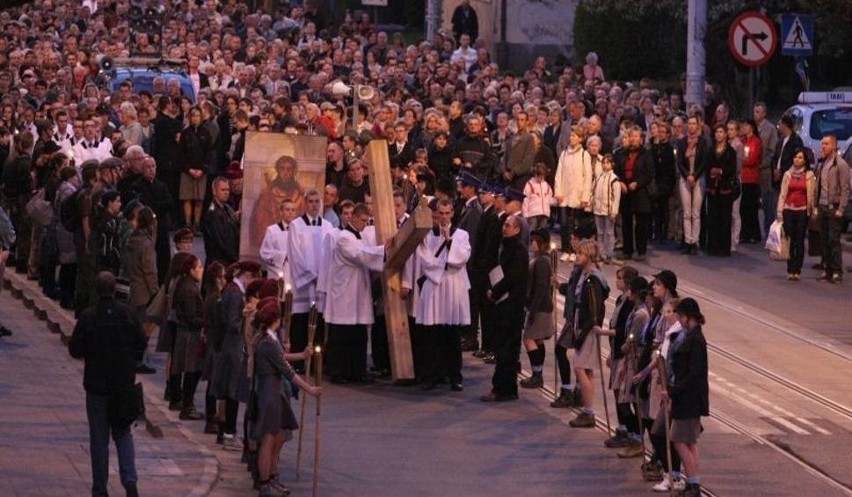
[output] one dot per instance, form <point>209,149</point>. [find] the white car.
<point>823,113</point>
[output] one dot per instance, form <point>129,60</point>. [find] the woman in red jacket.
<point>750,177</point>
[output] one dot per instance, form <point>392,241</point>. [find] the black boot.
<point>534,381</point>
<point>565,399</point>
<point>190,383</point>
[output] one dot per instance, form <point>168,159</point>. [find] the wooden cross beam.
<point>406,239</point>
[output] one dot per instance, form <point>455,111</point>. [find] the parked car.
<point>822,113</point>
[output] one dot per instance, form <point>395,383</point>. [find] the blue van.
<point>143,79</point>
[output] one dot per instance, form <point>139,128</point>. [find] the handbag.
<point>126,407</point>
<point>158,307</point>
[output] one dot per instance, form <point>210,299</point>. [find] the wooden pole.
<point>637,397</point>
<point>603,387</point>
<point>318,351</point>
<point>554,262</point>
<point>312,329</point>
<point>661,365</point>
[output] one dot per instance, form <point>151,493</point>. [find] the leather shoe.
<point>490,359</point>
<point>457,387</point>
<point>428,386</point>
<point>493,397</point>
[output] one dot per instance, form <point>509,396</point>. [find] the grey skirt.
<point>192,188</point>
<point>274,411</point>
<point>586,356</point>
<point>230,380</point>
<point>166,337</point>
<point>541,327</point>
<point>188,353</point>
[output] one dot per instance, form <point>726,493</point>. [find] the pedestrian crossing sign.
<point>797,35</point>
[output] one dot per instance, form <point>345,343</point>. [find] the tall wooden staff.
<point>312,329</point>
<point>636,396</point>
<point>554,263</point>
<point>597,322</point>
<point>318,352</point>
<point>664,379</point>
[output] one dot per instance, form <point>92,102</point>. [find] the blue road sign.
<point>797,35</point>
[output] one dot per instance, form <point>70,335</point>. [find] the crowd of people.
<point>122,181</point>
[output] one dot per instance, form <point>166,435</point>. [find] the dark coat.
<point>273,403</point>
<point>403,158</point>
<point>643,175</point>
<point>665,171</point>
<point>515,265</point>
<point>465,22</point>
<point>484,256</point>
<point>165,148</point>
<point>476,151</point>
<point>702,156</point>
<point>188,306</point>
<point>139,265</point>
<point>109,337</point>
<point>590,310</point>
<point>785,155</point>
<point>690,392</point>
<point>468,219</point>
<point>441,162</point>
<point>721,172</point>
<point>540,296</point>
<point>221,230</point>
<point>195,146</point>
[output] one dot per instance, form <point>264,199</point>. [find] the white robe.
<point>274,252</point>
<point>444,297</point>
<point>305,249</point>
<point>349,300</point>
<point>100,152</point>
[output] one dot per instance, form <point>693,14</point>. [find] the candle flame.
<point>552,245</point>
<point>318,349</point>
<point>288,288</point>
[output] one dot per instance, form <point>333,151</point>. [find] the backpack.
<point>40,210</point>
<point>69,212</point>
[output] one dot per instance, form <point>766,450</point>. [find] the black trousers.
<point>476,294</point>
<point>418,348</point>
<point>443,353</point>
<point>379,346</point>
<point>749,207</point>
<point>568,219</point>
<point>67,280</point>
<point>719,212</point>
<point>796,226</point>
<point>299,335</point>
<point>507,349</point>
<point>829,232</point>
<point>347,351</point>
<point>634,229</point>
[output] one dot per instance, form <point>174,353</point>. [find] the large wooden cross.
<point>406,239</point>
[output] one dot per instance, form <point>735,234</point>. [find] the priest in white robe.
<point>274,250</point>
<point>349,304</point>
<point>306,243</point>
<point>443,306</point>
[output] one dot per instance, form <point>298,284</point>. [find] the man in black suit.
<point>483,259</point>
<point>401,151</point>
<point>221,227</point>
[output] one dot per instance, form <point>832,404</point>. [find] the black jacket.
<point>484,255</point>
<point>690,392</point>
<point>109,337</point>
<point>590,310</point>
<point>703,153</point>
<point>402,158</point>
<point>195,145</point>
<point>515,265</point>
<point>221,231</point>
<point>165,148</point>
<point>665,171</point>
<point>785,155</point>
<point>477,152</point>
<point>721,172</point>
<point>643,175</point>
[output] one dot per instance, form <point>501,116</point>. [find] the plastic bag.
<point>777,242</point>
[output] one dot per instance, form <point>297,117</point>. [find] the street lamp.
<point>357,92</point>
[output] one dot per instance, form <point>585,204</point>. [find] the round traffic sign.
<point>752,39</point>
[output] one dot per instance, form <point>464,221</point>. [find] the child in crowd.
<point>606,196</point>
<point>539,198</point>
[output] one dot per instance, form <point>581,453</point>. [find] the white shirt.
<point>98,149</point>
<point>274,252</point>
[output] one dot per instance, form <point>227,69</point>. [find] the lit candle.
<point>746,151</point>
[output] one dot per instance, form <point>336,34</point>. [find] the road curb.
<point>59,321</point>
